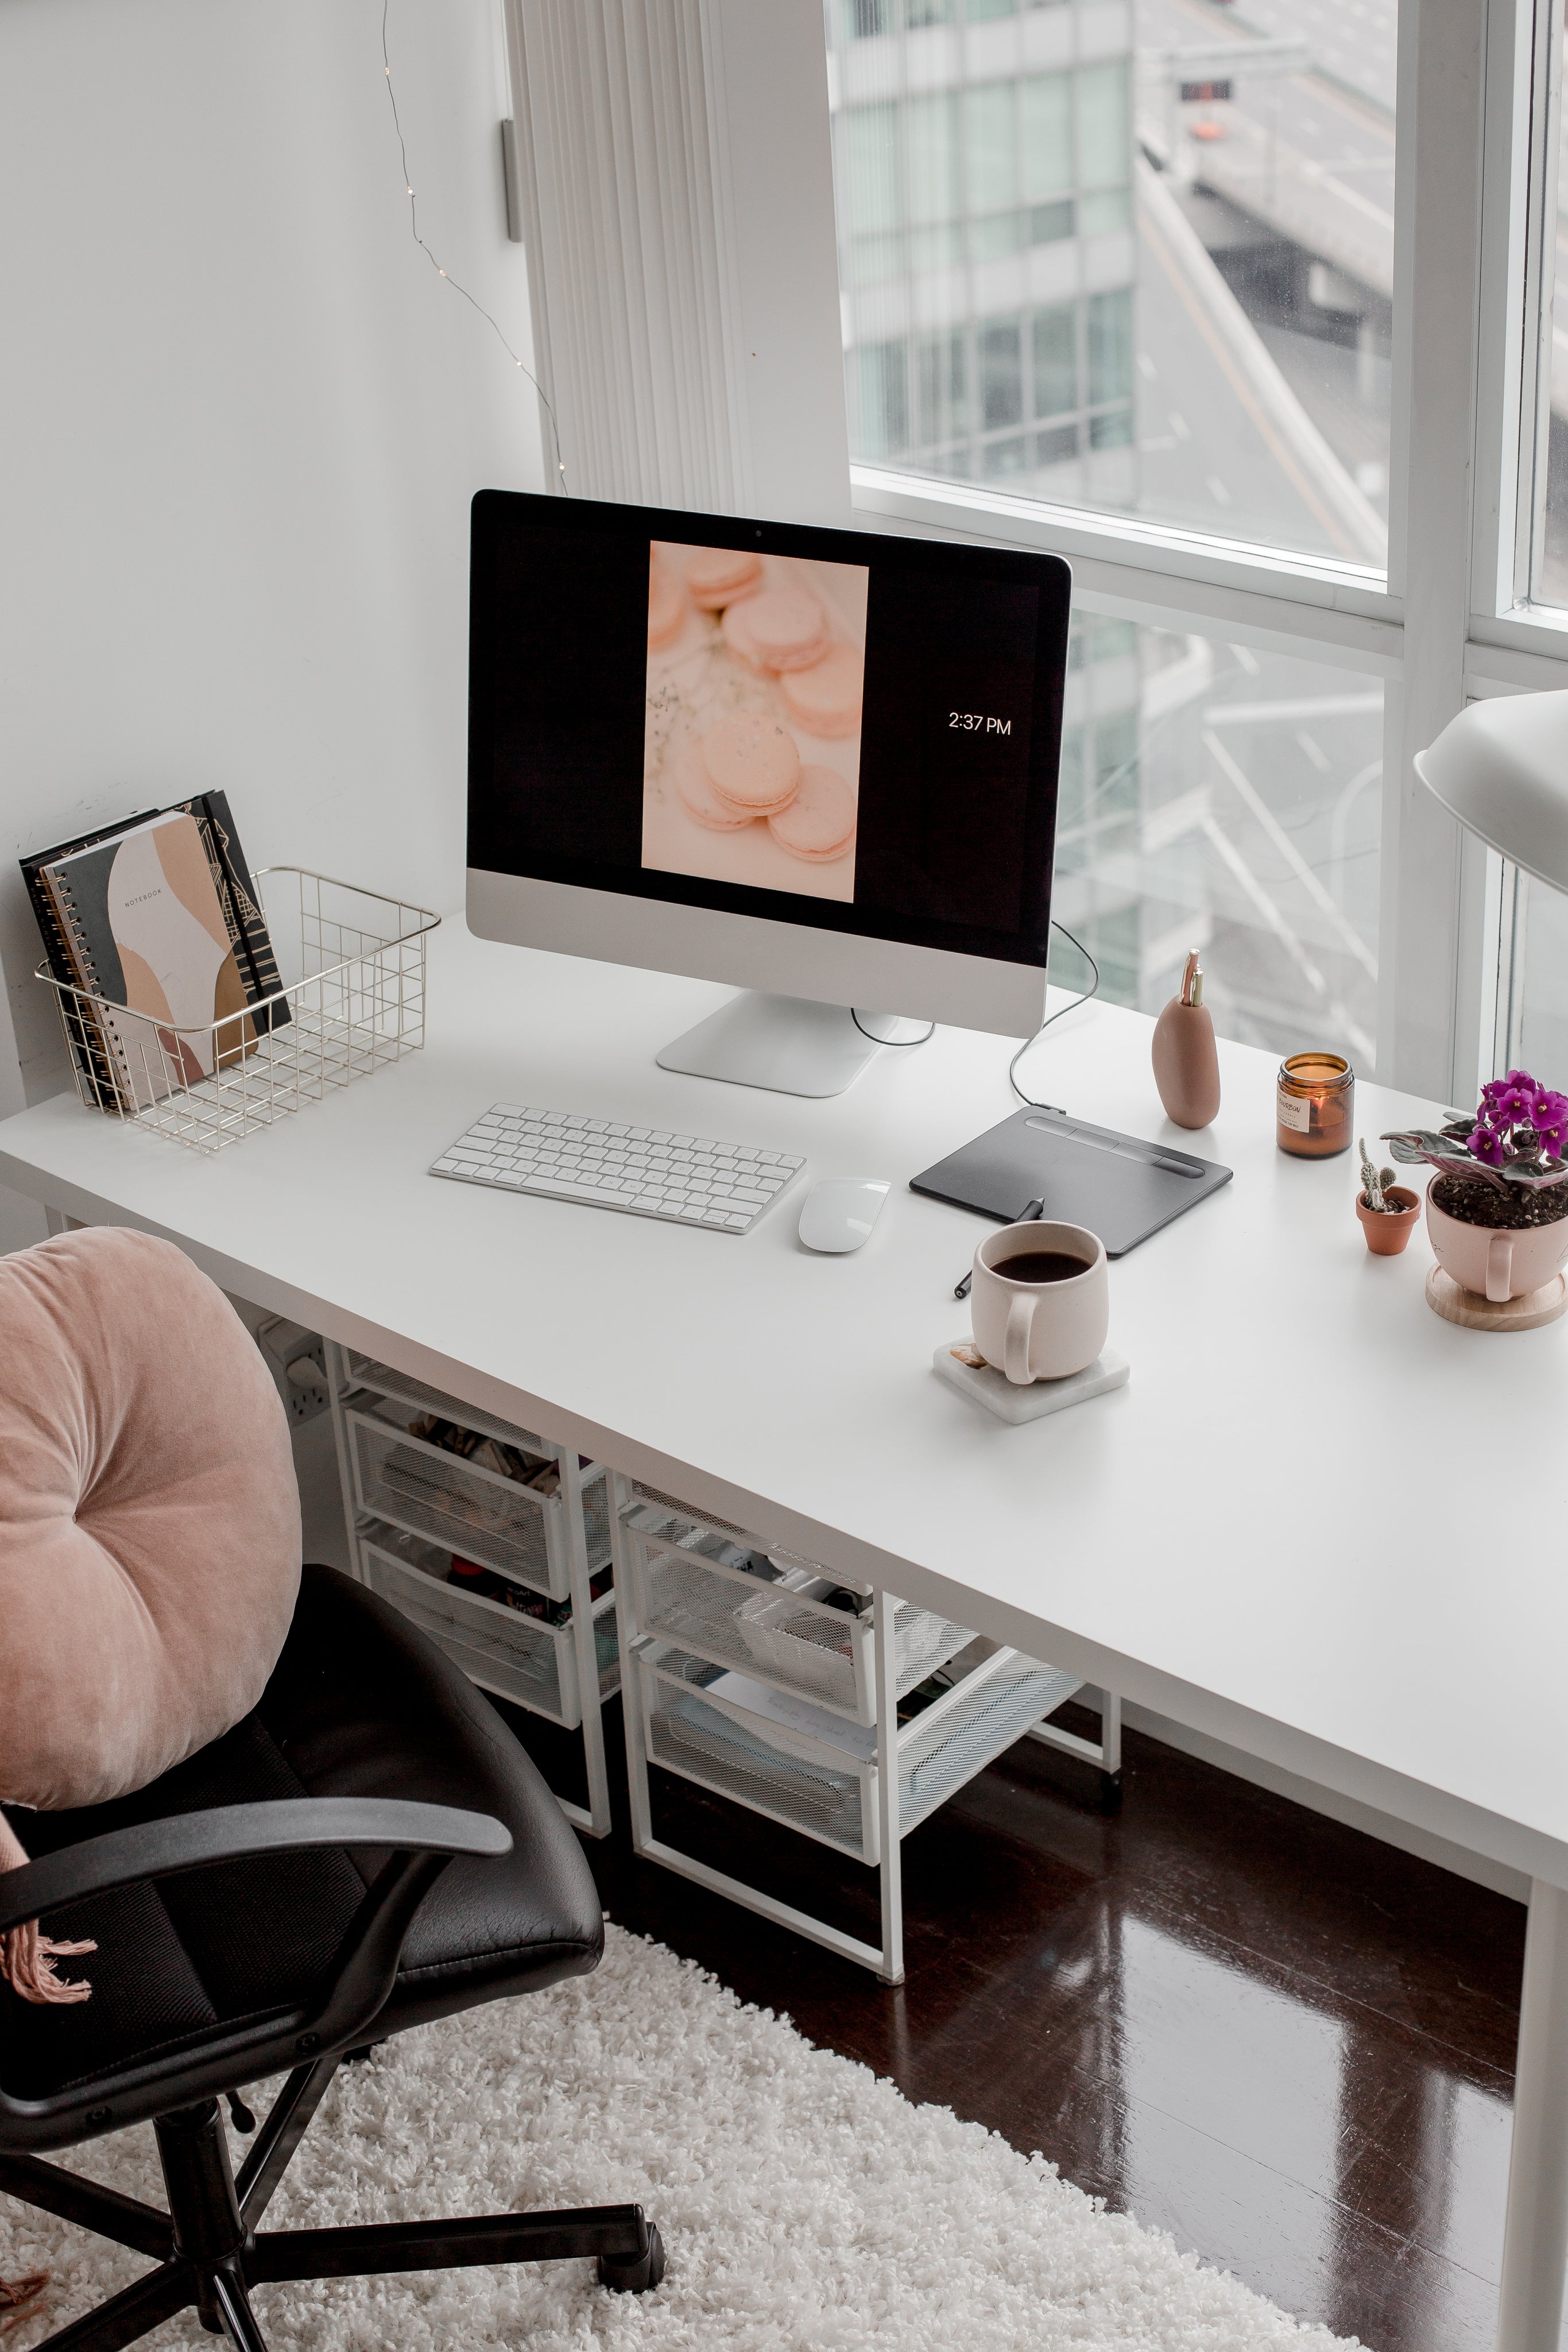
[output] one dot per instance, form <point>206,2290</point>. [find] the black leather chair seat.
<point>357,1707</point>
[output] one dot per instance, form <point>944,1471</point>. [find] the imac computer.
<point>819,764</point>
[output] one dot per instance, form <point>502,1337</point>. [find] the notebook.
<point>93,1057</point>
<point>144,927</point>
<point>98,1055</point>
<point>242,908</point>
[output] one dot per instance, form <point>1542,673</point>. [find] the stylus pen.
<point>1031,1209</point>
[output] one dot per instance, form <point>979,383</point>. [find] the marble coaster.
<point>998,1395</point>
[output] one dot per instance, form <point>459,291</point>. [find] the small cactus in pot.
<point>1374,1183</point>
<point>1387,1211</point>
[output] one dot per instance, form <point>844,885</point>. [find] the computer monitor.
<point>820,765</point>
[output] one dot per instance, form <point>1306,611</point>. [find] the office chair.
<point>370,1849</point>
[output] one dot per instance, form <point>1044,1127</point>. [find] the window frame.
<point>1475,92</point>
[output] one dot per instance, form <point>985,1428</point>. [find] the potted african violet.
<point>1497,1210</point>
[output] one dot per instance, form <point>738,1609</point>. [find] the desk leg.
<point>628,1632</point>
<point>888,1831</point>
<point>58,1222</point>
<point>597,1820</point>
<point>339,1385</point>
<point>1106,1751</point>
<point>1535,2239</point>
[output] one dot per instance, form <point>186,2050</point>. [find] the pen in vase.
<point>1031,1209</point>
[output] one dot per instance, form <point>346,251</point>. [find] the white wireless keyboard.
<point>687,1179</point>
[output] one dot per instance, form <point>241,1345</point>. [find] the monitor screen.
<point>841,729</point>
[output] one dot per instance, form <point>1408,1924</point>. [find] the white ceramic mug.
<point>1041,1330</point>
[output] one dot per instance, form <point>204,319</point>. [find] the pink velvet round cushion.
<point>149,1516</point>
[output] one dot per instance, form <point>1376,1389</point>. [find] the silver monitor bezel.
<point>755,952</point>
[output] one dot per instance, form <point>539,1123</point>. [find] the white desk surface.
<point>1319,1523</point>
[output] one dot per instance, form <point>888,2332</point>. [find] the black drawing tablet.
<point>1122,1189</point>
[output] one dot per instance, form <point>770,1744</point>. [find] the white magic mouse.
<point>839,1217</point>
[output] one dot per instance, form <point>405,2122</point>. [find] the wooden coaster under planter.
<point>1527,1313</point>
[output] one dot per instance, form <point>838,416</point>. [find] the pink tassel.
<point>19,2299</point>
<point>27,1958</point>
<point>28,1964</point>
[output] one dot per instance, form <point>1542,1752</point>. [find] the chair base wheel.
<point>635,2277</point>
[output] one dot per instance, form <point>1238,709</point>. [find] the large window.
<point>1130,254</point>
<point>1529,1017</point>
<point>1223,800</point>
<point>1136,280</point>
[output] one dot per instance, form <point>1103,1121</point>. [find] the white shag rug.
<point>806,2205</point>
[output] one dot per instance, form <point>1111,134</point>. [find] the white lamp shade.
<point>1501,768</point>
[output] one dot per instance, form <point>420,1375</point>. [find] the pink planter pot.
<point>1495,1263</point>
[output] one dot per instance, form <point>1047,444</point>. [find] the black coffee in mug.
<point>1041,1266</point>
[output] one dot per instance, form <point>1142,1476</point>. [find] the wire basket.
<point>353,998</point>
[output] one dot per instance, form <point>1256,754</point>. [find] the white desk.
<point>1319,1524</point>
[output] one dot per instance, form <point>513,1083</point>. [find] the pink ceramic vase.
<point>1186,1067</point>
<point>1496,1262</point>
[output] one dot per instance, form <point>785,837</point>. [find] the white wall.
<point>241,420</point>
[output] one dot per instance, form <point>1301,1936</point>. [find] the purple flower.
<point>1484,1145</point>
<point>1510,1101</point>
<point>1551,1121</point>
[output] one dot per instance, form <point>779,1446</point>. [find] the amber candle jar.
<point>1315,1106</point>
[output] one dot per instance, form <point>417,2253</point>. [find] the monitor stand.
<point>787,1043</point>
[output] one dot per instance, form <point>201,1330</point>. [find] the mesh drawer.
<point>661,1514</point>
<point>740,1621</point>
<point>596,1518</point>
<point>364,1372</point>
<point>516,1655</point>
<point>519,1656</point>
<point>937,1757</point>
<point>482,1517</point>
<point>780,1630</point>
<point>701,1742</point>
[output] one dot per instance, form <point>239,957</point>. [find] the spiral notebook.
<point>92,1058</point>
<point>145,929</point>
<point>99,1056</point>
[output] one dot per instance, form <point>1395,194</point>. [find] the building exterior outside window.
<point>987,255</point>
<point>1135,257</point>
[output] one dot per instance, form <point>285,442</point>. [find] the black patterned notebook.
<point>242,908</point>
<point>89,1046</point>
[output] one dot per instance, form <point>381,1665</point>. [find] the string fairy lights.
<point>471,299</point>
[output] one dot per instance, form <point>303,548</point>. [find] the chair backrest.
<point>149,1516</point>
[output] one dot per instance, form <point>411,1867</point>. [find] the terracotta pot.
<point>1494,1261</point>
<point>1386,1235</point>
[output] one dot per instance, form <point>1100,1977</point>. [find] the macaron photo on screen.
<point>755,682</point>
<point>865,746</point>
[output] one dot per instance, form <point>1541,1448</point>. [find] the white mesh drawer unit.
<point>845,1715</point>
<point>684,1180</point>
<point>494,1539</point>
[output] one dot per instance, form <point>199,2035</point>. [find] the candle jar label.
<point>1295,1111</point>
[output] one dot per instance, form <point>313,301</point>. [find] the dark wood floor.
<point>1285,2043</point>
